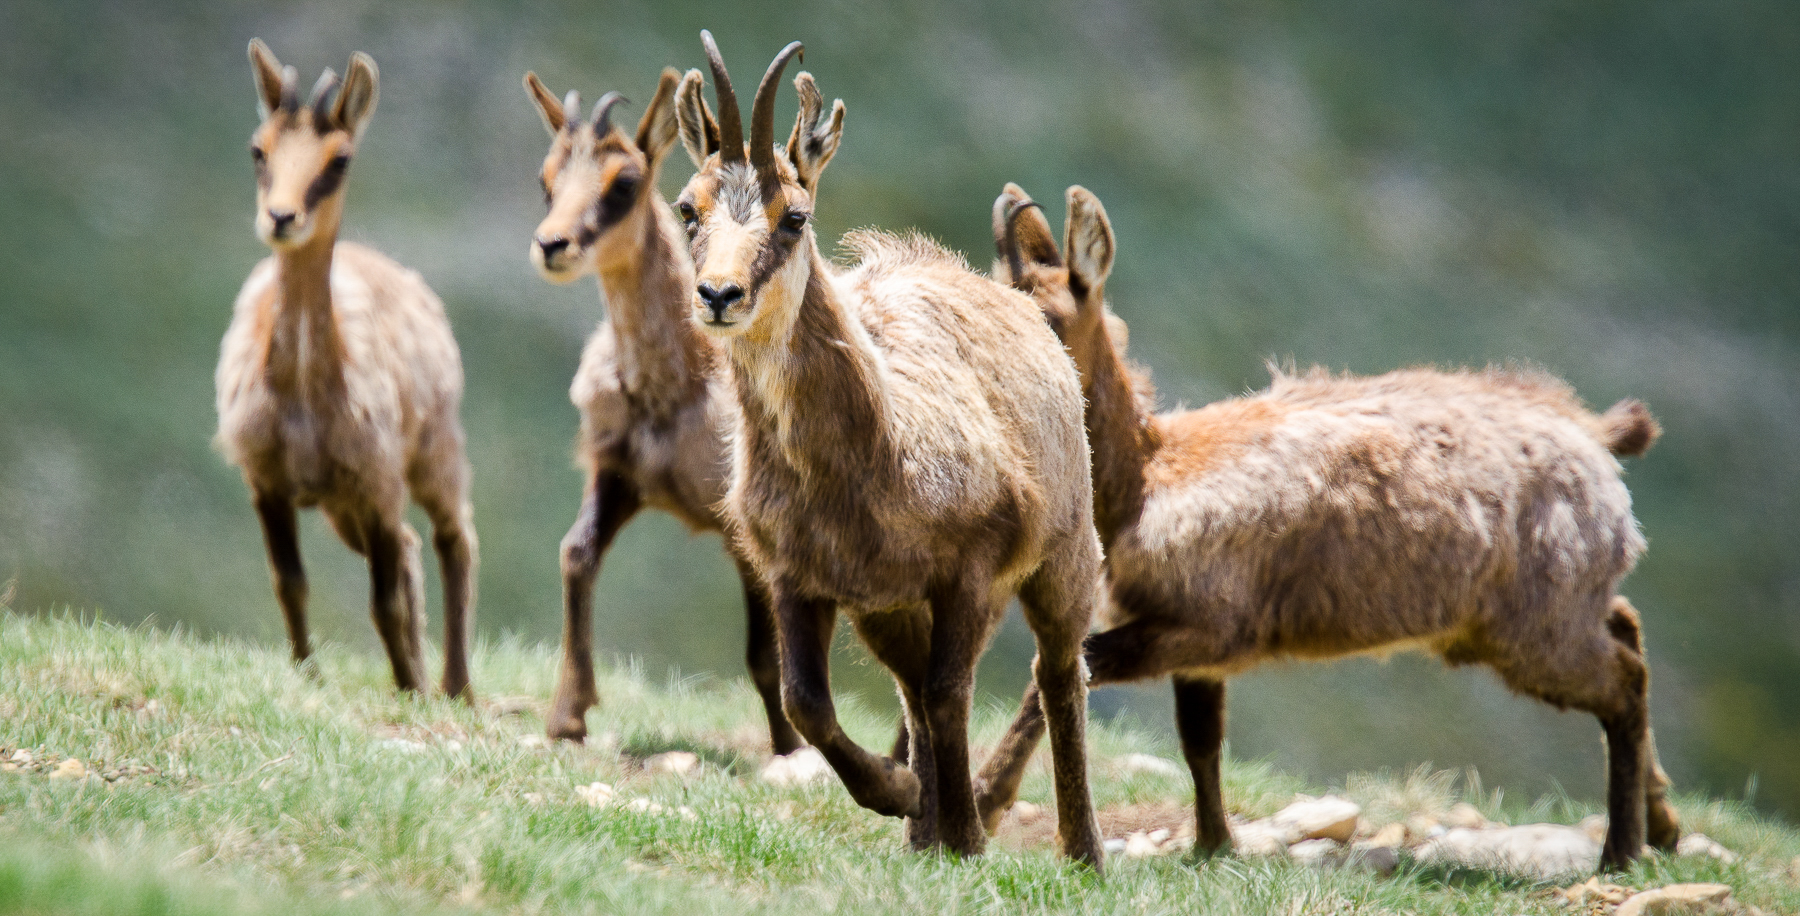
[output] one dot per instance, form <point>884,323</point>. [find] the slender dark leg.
<point>1200,720</point>
<point>901,641</point>
<point>281,537</point>
<point>387,600</point>
<point>609,503</point>
<point>805,626</point>
<point>961,624</point>
<point>458,557</point>
<point>412,598</point>
<point>1663,826</point>
<point>762,654</point>
<point>1058,601</point>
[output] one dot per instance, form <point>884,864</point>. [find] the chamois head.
<point>599,182</point>
<point>1068,285</point>
<point>302,152</point>
<point>747,210</point>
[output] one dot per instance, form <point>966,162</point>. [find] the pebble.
<point>596,794</point>
<point>1147,765</point>
<point>1141,844</point>
<point>1027,812</point>
<point>1541,851</point>
<point>1328,818</point>
<point>1387,837</point>
<point>1681,900</point>
<point>71,768</point>
<point>1699,844</point>
<point>1114,846</point>
<point>803,766</point>
<point>674,763</point>
<point>1313,852</point>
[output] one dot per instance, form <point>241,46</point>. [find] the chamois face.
<point>599,182</point>
<point>1068,286</point>
<point>302,153</point>
<point>748,216</point>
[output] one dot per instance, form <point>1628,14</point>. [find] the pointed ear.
<point>815,138</point>
<point>549,109</point>
<point>1088,236</point>
<point>656,130</point>
<point>699,132</point>
<point>267,71</point>
<point>1031,237</point>
<point>356,101</point>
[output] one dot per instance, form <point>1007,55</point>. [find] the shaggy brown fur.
<point>1476,515</point>
<point>650,387</point>
<point>909,450</point>
<point>339,382</point>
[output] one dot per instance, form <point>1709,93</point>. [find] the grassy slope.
<point>271,792</point>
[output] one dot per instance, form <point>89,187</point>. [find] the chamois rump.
<point>339,382</point>
<point>908,449</point>
<point>1479,516</point>
<point>650,387</point>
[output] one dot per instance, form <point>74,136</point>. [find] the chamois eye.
<point>257,155</point>
<point>689,216</point>
<point>793,223</point>
<point>338,163</point>
<point>622,193</point>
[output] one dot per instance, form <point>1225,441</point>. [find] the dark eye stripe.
<point>328,181</point>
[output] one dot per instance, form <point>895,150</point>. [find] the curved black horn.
<point>320,101</point>
<point>731,123</point>
<point>1015,261</point>
<point>602,116</point>
<point>762,112</point>
<point>572,107</point>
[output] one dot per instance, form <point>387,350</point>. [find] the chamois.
<point>908,449</point>
<point>339,382</point>
<point>1476,515</point>
<point>650,387</point>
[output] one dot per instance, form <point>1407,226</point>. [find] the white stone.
<point>1541,851</point>
<point>597,794</point>
<point>400,745</point>
<point>1147,765</point>
<point>1258,838</point>
<point>1140,845</point>
<point>1699,844</point>
<point>1027,812</point>
<point>1680,900</point>
<point>803,766</point>
<point>1313,852</point>
<point>1331,817</point>
<point>71,768</point>
<point>674,763</point>
<point>1114,846</point>
<point>533,740</point>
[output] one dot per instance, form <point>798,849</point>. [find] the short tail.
<point>1627,429</point>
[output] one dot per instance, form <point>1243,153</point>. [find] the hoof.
<point>898,796</point>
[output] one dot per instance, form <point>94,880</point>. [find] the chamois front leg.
<point>458,556</point>
<point>281,537</point>
<point>609,503</point>
<point>762,655</point>
<point>805,626</point>
<point>901,641</point>
<point>387,599</point>
<point>961,624</point>
<point>1200,720</point>
<point>1058,601</point>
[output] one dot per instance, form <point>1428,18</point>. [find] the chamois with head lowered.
<point>650,387</point>
<point>339,382</point>
<point>1476,515</point>
<point>908,450</point>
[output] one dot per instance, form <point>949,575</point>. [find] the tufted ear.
<point>815,138</point>
<point>267,71</point>
<point>549,109</point>
<point>699,132</point>
<point>656,131</point>
<point>1088,238</point>
<point>356,101</point>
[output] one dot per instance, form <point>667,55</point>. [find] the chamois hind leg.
<point>412,596</point>
<point>386,548</point>
<point>1200,720</point>
<point>1058,600</point>
<point>901,641</point>
<point>458,553</point>
<point>1663,826</point>
<point>805,625</point>
<point>763,658</point>
<point>281,537</point>
<point>610,502</point>
<point>963,620</point>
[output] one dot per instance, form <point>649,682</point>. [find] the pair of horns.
<point>762,109</point>
<point>602,115</point>
<point>319,101</point>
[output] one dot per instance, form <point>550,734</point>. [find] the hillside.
<point>149,771</point>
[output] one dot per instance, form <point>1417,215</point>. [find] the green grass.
<point>224,781</point>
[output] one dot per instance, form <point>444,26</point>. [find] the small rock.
<point>1147,765</point>
<point>802,766</point>
<point>401,745</point>
<point>1699,844</point>
<point>1593,892</point>
<point>1258,838</point>
<point>1463,814</point>
<point>596,794</point>
<point>1541,851</point>
<point>71,768</point>
<point>9,767</point>
<point>645,806</point>
<point>1114,846</point>
<point>687,814</point>
<point>1330,818</point>
<point>511,706</point>
<point>1594,825</point>
<point>1313,852</point>
<point>533,740</point>
<point>452,745</point>
<point>1380,859</point>
<point>1026,812</point>
<point>674,763</point>
<point>1681,900</point>
<point>533,798</point>
<point>1387,837</point>
<point>22,757</point>
<point>1140,844</point>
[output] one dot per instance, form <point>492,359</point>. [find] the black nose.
<point>282,220</point>
<point>552,247</point>
<point>720,299</point>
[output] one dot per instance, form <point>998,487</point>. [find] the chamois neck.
<point>662,355</point>
<point>816,385</point>
<point>306,354</point>
<point>1120,433</point>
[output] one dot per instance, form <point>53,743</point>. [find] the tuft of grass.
<point>220,779</point>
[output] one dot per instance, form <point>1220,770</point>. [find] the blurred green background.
<point>1607,189</point>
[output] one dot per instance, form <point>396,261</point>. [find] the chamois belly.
<point>313,457</point>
